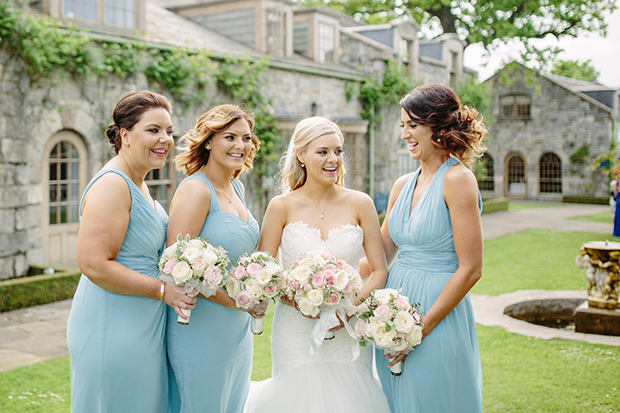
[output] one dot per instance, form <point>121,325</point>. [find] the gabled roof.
<point>572,85</point>
<point>580,84</point>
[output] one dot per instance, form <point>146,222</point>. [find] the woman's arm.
<point>375,262</point>
<point>105,219</point>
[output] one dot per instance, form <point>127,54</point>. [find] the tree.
<point>575,70</point>
<point>491,23</point>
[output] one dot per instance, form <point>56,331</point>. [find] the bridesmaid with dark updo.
<point>116,327</point>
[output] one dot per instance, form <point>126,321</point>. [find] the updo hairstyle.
<point>457,129</point>
<point>292,174</point>
<point>129,111</point>
<point>193,144</point>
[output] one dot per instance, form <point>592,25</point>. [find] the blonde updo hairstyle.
<point>293,175</point>
<point>194,142</point>
<point>457,129</point>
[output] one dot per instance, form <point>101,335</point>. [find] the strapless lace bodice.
<point>290,342</point>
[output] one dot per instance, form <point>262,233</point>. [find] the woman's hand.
<point>400,358</point>
<point>258,311</point>
<point>178,300</point>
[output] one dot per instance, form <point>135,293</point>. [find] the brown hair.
<point>215,120</point>
<point>129,111</point>
<point>457,129</point>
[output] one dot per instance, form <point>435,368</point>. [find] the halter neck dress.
<point>116,342</point>
<point>211,358</point>
<point>442,374</point>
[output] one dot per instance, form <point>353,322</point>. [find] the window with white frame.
<point>327,42</point>
<point>515,107</point>
<point>64,180</point>
<point>118,13</point>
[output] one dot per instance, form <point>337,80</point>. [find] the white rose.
<point>171,251</point>
<point>209,255</point>
<point>401,343</point>
<point>307,308</point>
<point>341,280</point>
<point>383,296</point>
<point>233,286</point>
<point>373,325</point>
<point>258,254</point>
<point>384,338</point>
<point>272,268</point>
<point>356,281</point>
<point>415,335</point>
<point>191,254</point>
<point>301,273</point>
<point>182,272</point>
<point>253,287</point>
<point>263,277</point>
<point>315,297</point>
<point>403,322</point>
<point>196,243</point>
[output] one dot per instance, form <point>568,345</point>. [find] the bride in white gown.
<point>317,213</point>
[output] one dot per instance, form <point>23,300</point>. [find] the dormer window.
<point>327,42</point>
<point>117,13</point>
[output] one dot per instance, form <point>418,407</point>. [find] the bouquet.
<point>324,286</point>
<point>254,279</point>
<point>387,318</point>
<point>194,265</point>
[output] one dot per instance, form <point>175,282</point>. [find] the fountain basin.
<point>554,312</point>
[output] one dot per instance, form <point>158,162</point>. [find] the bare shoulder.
<point>279,204</point>
<point>109,188</point>
<point>358,197</point>
<point>458,178</point>
<point>194,188</point>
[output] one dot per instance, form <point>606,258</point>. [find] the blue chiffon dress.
<point>442,374</point>
<point>211,358</point>
<point>116,342</point>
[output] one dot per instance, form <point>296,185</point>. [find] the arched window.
<point>516,175</point>
<point>550,174</point>
<point>64,183</point>
<point>488,183</point>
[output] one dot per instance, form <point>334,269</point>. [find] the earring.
<point>303,166</point>
<point>208,147</point>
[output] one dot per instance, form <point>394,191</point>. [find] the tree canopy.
<point>575,70</point>
<point>490,23</point>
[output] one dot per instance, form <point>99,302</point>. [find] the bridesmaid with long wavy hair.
<point>211,358</point>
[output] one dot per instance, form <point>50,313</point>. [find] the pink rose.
<point>253,269</point>
<point>330,281</point>
<point>318,280</point>
<point>213,276</point>
<point>360,327</point>
<point>307,287</point>
<point>382,312</point>
<point>329,254</point>
<point>348,288</point>
<point>333,299</point>
<point>271,289</point>
<point>200,265</point>
<point>244,299</point>
<point>169,266</point>
<point>240,272</point>
<point>402,303</point>
<point>296,261</point>
<point>329,272</point>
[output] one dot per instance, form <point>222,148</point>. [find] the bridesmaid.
<point>211,358</point>
<point>433,222</point>
<point>116,327</point>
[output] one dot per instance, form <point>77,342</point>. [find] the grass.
<point>534,260</point>
<point>516,206</point>
<point>520,373</point>
<point>602,217</point>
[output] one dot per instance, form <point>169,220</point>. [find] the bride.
<point>316,212</point>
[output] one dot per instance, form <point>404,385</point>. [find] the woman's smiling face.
<point>323,158</point>
<point>418,138</point>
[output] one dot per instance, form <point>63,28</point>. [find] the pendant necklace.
<point>317,207</point>
<point>222,191</point>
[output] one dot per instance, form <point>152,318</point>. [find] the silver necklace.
<point>227,197</point>
<point>317,207</point>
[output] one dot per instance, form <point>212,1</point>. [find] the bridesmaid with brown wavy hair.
<point>211,358</point>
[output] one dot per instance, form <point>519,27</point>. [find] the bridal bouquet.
<point>194,265</point>
<point>254,279</point>
<point>323,286</point>
<point>387,318</point>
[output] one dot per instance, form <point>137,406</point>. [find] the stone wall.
<point>561,122</point>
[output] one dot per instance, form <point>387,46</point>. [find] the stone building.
<point>52,130</point>
<point>548,130</point>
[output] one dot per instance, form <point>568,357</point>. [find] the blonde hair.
<point>292,175</point>
<point>457,129</point>
<point>214,121</point>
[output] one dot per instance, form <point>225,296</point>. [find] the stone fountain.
<point>600,314</point>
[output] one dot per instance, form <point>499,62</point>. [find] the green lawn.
<point>516,205</point>
<point>520,373</point>
<point>602,217</point>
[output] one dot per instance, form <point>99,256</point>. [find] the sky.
<point>603,53</point>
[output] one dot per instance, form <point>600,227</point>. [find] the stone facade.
<point>33,117</point>
<point>560,120</point>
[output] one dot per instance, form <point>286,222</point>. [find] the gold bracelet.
<point>161,291</point>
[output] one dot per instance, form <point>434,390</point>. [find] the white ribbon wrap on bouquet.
<point>192,288</point>
<point>330,317</point>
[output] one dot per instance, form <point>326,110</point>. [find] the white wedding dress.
<point>328,380</point>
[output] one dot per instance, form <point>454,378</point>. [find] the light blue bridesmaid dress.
<point>443,373</point>
<point>211,358</point>
<point>116,342</point>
